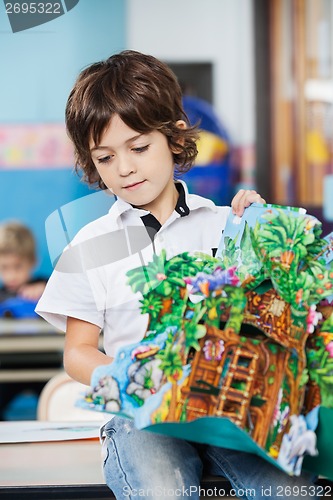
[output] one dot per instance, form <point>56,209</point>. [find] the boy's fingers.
<point>243,199</point>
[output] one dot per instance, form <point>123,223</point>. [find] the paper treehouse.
<point>235,345</point>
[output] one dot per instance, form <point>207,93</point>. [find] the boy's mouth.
<point>134,185</point>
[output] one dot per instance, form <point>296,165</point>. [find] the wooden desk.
<point>30,350</point>
<point>50,469</point>
<point>60,469</point>
<point>51,463</point>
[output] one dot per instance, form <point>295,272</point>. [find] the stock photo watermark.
<point>263,492</point>
<point>26,14</point>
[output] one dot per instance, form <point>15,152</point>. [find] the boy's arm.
<point>243,199</point>
<point>81,354</point>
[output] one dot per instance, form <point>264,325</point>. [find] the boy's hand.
<point>32,291</point>
<point>243,199</point>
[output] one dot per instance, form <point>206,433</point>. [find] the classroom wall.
<point>39,66</point>
<point>38,69</point>
<point>217,31</point>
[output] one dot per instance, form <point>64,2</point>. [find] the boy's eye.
<point>105,159</point>
<point>141,149</point>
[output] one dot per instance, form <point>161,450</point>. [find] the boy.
<point>125,118</point>
<point>17,261</point>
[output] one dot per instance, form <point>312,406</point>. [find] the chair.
<point>58,399</point>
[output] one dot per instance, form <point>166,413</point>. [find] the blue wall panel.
<point>39,65</point>
<point>31,195</point>
<point>38,69</point>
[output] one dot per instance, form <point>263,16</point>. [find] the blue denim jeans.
<point>144,464</point>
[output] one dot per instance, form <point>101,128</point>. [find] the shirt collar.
<point>181,206</point>
<point>186,202</point>
<point>194,201</point>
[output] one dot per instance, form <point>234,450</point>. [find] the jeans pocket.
<point>104,438</point>
<point>105,451</point>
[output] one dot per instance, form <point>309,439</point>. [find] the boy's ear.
<point>182,125</point>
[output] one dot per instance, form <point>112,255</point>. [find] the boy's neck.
<point>164,207</point>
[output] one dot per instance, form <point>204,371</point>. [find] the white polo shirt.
<point>89,281</point>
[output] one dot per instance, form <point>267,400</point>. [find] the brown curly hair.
<point>146,95</point>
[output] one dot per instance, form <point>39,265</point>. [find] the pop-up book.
<point>236,352</point>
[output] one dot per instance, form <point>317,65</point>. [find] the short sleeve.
<point>71,291</point>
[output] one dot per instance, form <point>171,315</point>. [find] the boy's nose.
<point>125,166</point>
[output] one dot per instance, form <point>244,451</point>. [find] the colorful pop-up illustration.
<point>319,348</point>
<point>236,352</point>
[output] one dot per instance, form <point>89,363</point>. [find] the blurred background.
<point>257,73</point>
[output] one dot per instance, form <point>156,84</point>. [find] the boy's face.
<point>137,167</point>
<point>15,271</point>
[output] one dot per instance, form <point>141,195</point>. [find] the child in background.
<point>17,262</point>
<point>130,133</point>
<point>19,294</point>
